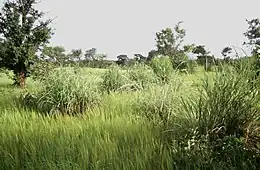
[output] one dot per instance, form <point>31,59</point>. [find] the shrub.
<point>64,92</point>
<point>41,69</point>
<point>162,67</point>
<point>6,72</point>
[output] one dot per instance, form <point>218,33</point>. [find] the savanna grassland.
<point>179,107</point>
<point>136,118</point>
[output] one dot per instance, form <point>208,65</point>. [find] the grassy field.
<point>126,130</point>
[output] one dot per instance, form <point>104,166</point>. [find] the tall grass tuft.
<point>64,92</point>
<point>222,118</point>
<point>160,103</point>
<point>113,80</point>
<point>162,67</point>
<point>142,76</point>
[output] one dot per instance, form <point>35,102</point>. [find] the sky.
<point>128,26</point>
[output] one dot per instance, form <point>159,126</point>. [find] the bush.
<point>113,80</point>
<point>41,70</point>
<point>142,76</point>
<point>64,92</point>
<point>162,67</point>
<point>6,72</point>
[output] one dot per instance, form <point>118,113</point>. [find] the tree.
<point>200,50</point>
<point>55,54</point>
<point>75,55</point>
<point>139,58</point>
<point>253,35</point>
<point>226,53</point>
<point>203,57</point>
<point>23,32</point>
<point>152,54</point>
<point>90,54</point>
<point>122,60</point>
<point>168,43</point>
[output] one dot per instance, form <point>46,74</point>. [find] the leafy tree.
<point>100,57</point>
<point>201,53</point>
<point>23,33</point>
<point>75,55</point>
<point>253,35</point>
<point>200,50</point>
<point>139,58</point>
<point>90,54</point>
<point>203,57</point>
<point>122,60</point>
<point>226,53</point>
<point>152,54</point>
<point>99,61</point>
<point>55,54</point>
<point>168,43</point>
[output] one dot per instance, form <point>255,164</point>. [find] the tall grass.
<point>162,67</point>
<point>142,76</point>
<point>213,125</point>
<point>32,142</point>
<point>64,92</point>
<point>113,80</point>
<point>220,121</point>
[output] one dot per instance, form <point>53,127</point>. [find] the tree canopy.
<point>23,31</point>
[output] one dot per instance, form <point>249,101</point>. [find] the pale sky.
<point>128,26</point>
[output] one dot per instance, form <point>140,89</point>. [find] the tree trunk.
<point>20,79</point>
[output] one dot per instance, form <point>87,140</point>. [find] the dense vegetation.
<point>163,111</point>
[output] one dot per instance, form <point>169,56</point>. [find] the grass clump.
<point>142,76</point>
<point>159,103</point>
<point>64,92</point>
<point>162,67</point>
<point>113,80</point>
<point>220,122</point>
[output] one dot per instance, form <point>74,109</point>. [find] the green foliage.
<point>112,80</point>
<point>253,35</point>
<point>226,52</point>
<point>75,55</point>
<point>122,60</point>
<point>41,69</point>
<point>191,66</point>
<point>90,54</point>
<point>142,76</point>
<point>64,92</point>
<point>168,40</point>
<point>162,67</point>
<point>200,50</point>
<point>168,43</point>
<point>163,126</point>
<point>160,104</point>
<point>206,61</point>
<point>203,57</point>
<point>23,33</point>
<point>29,141</point>
<point>222,118</point>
